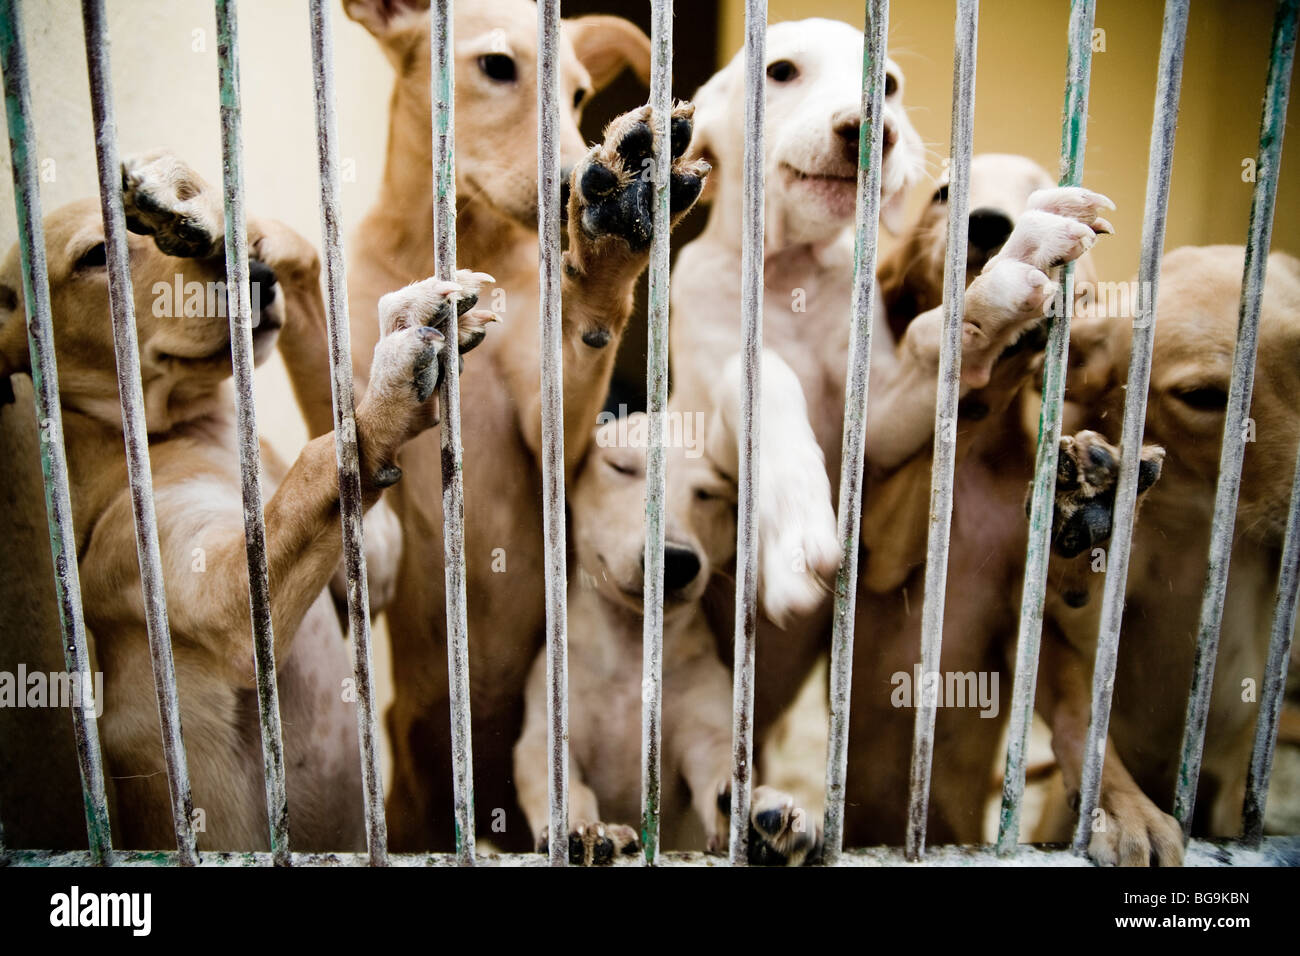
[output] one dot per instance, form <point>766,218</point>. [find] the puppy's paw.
<point>407,368</point>
<point>1059,226</point>
<point>611,196</point>
<point>1130,830</point>
<point>781,833</point>
<point>1002,305</point>
<point>164,198</point>
<point>597,844</point>
<point>1087,472</point>
<point>798,538</point>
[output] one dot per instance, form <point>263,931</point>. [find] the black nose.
<point>988,229</point>
<point>849,132</point>
<point>261,283</point>
<point>681,566</point>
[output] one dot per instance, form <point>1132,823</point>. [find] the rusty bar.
<point>661,43</point>
<point>548,261</point>
<point>1274,689</point>
<point>250,458</point>
<point>1159,171</point>
<point>443,93</point>
<point>751,307</point>
<point>135,428</point>
<point>1074,129</point>
<point>345,429</point>
<point>945,415</point>
<point>867,230</point>
<point>1233,451</point>
<point>49,417</point>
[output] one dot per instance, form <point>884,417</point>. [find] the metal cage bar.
<point>867,230</point>
<point>351,507</point>
<point>1159,172</point>
<point>135,428</point>
<point>49,417</point>
<point>1233,451</point>
<point>652,680</point>
<point>945,415</point>
<point>1074,127</point>
<point>751,308</point>
<point>1275,672</point>
<point>443,94</point>
<point>250,458</point>
<point>552,349</point>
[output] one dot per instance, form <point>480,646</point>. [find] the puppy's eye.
<point>498,67</point>
<point>1206,398</point>
<point>579,97</point>
<point>891,84</point>
<point>782,71</point>
<point>93,258</point>
<point>703,494</point>
<point>940,194</point>
<point>621,469</point>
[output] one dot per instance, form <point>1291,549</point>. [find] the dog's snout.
<point>681,566</point>
<point>849,131</point>
<point>261,282</point>
<point>988,229</point>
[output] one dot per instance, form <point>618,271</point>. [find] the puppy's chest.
<point>807,319</point>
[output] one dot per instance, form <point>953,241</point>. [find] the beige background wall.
<point>1020,82</point>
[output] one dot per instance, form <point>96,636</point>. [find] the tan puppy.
<point>185,366</point>
<point>496,183</point>
<point>1196,320</point>
<point>605,621</point>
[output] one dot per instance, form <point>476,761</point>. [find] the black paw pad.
<point>680,137</point>
<point>602,851</point>
<point>598,181</point>
<point>637,145</point>
<point>387,475</point>
<point>683,189</point>
<point>1088,527</point>
<point>1148,473</point>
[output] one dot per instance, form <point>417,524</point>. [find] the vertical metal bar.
<point>661,44</point>
<point>1159,170</point>
<point>867,229</point>
<point>1073,140</point>
<point>45,383</point>
<point>548,254</point>
<point>1272,129</point>
<point>443,72</point>
<point>1279,654</point>
<point>250,458</point>
<point>751,307</point>
<point>135,429</point>
<point>945,415</point>
<point>345,429</point>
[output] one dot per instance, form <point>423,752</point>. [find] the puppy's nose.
<point>849,131</point>
<point>681,566</point>
<point>261,287</point>
<point>988,229</point>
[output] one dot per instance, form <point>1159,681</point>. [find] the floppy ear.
<point>710,120</point>
<point>383,18</point>
<point>605,45</point>
<point>14,357</point>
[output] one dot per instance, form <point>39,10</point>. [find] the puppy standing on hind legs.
<point>605,634</point>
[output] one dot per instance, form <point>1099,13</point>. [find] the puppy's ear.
<point>14,357</point>
<point>384,18</point>
<point>607,45</point>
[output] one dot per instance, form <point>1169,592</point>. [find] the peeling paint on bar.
<point>1272,129</point>
<point>949,388</point>
<point>345,435</point>
<point>250,459</point>
<point>45,384</point>
<point>1159,172</point>
<point>1272,851</point>
<point>751,307</point>
<point>135,429</point>
<point>442,98</point>
<point>548,228</point>
<point>1275,673</point>
<point>1074,126</point>
<point>661,48</point>
<point>867,231</point>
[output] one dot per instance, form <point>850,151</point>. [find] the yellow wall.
<point>1020,76</point>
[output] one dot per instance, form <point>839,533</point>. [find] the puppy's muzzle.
<point>849,132</point>
<point>681,567</point>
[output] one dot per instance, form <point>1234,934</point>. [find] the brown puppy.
<point>605,621</point>
<point>185,368</point>
<point>1196,320</point>
<point>496,182</point>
